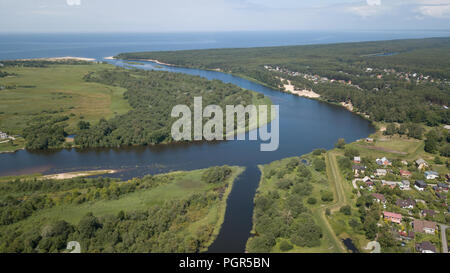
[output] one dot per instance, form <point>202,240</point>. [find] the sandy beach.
<point>55,59</point>
<point>109,58</point>
<point>302,93</point>
<point>158,62</point>
<point>77,174</point>
<point>348,105</point>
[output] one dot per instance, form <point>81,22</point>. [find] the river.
<point>304,126</point>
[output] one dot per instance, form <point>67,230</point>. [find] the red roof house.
<point>393,217</point>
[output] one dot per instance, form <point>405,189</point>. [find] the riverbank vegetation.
<point>392,81</point>
<point>45,101</point>
<point>286,215</point>
<point>175,212</point>
<point>152,95</point>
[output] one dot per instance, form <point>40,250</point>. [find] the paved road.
<point>444,238</point>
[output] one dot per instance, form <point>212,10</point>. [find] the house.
<point>421,164</point>
<point>369,139</point>
<point>404,162</point>
<point>391,184</point>
<point>3,135</point>
<point>405,173</point>
<point>383,161</point>
<point>357,159</point>
<point>431,175</point>
<point>420,185</point>
<point>357,169</point>
<point>368,181</point>
<point>380,172</point>
<point>425,247</point>
<point>393,217</point>
<point>428,212</point>
<point>424,226</point>
<point>406,203</point>
<point>379,197</point>
<point>442,187</point>
<point>405,185</point>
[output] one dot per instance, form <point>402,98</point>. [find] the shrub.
<point>284,184</point>
<point>319,151</point>
<point>340,144</point>
<point>346,210</point>
<point>319,164</point>
<point>285,246</point>
<point>327,196</point>
<point>216,174</point>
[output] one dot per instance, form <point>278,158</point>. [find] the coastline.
<point>60,59</point>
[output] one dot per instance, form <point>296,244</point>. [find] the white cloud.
<point>374,2</point>
<point>73,2</point>
<point>435,11</point>
<point>434,8</point>
<point>366,9</point>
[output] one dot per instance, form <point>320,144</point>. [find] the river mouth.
<point>305,125</point>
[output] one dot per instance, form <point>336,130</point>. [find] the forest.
<point>152,95</point>
<point>35,213</point>
<point>134,106</point>
<point>379,78</point>
<point>282,218</point>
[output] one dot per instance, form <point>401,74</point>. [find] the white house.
<point>431,175</point>
<point>405,185</point>
<point>383,161</point>
<point>380,172</point>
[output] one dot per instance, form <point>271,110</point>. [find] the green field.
<point>199,220</point>
<point>184,185</point>
<point>57,89</point>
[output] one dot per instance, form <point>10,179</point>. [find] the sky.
<point>221,15</point>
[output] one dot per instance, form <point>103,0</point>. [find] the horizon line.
<point>219,31</point>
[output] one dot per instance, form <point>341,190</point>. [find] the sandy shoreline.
<point>109,58</point>
<point>78,174</point>
<point>149,60</point>
<point>67,58</point>
<point>348,105</point>
<point>302,93</point>
<point>158,62</point>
